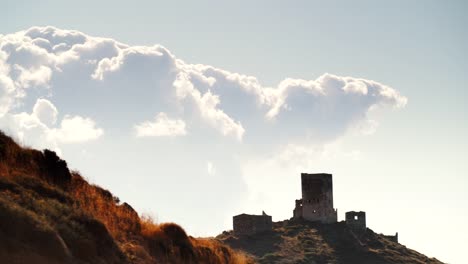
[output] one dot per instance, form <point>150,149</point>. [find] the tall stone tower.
<point>317,199</point>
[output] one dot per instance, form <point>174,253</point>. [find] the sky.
<point>195,111</point>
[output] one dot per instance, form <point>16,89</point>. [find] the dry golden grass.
<point>44,185</point>
<point>141,238</point>
<point>222,253</point>
<point>170,241</point>
<point>121,221</point>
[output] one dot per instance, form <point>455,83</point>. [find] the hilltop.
<point>298,241</point>
<point>49,214</point>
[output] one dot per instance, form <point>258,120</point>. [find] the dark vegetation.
<point>51,215</point>
<point>293,241</point>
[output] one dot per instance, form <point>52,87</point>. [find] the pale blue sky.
<point>409,176</point>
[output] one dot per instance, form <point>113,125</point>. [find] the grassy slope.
<point>305,242</point>
<point>51,215</point>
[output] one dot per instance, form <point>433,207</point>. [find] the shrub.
<point>56,169</point>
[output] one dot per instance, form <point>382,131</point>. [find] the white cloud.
<point>368,127</point>
<point>160,127</point>
<point>210,168</point>
<point>45,111</point>
<point>33,76</point>
<point>352,96</point>
<point>7,90</point>
<point>126,55</point>
<point>7,86</point>
<point>255,134</point>
<point>207,105</point>
<point>36,129</point>
<point>230,103</point>
<point>76,129</point>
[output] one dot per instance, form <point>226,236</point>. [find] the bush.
<point>56,169</point>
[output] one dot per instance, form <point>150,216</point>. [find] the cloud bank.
<point>61,88</point>
<point>33,62</point>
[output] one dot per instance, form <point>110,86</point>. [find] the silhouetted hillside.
<point>294,241</point>
<point>51,215</point>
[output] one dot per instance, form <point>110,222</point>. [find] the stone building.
<point>356,220</point>
<point>317,199</point>
<point>245,224</point>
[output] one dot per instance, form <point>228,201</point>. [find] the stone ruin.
<point>316,205</point>
<point>245,224</point>
<point>356,220</point>
<point>392,238</point>
<point>317,199</point>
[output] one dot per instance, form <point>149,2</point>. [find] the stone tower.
<point>356,220</point>
<point>317,199</point>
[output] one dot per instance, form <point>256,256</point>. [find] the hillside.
<point>49,214</point>
<point>294,241</point>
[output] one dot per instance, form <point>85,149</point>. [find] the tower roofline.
<point>316,174</point>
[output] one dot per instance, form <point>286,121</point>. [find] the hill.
<point>49,214</point>
<point>296,241</point>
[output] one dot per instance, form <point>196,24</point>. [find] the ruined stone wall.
<point>317,212</point>
<point>245,224</point>
<point>392,238</point>
<point>297,212</point>
<point>356,220</point>
<point>317,198</point>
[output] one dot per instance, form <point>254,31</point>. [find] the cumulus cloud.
<point>76,129</point>
<point>37,128</point>
<point>7,86</point>
<point>7,90</point>
<point>331,92</point>
<point>131,55</point>
<point>130,78</point>
<point>45,111</point>
<point>161,126</point>
<point>246,128</point>
<point>207,106</point>
<point>33,76</point>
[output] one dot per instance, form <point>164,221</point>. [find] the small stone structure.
<point>317,199</point>
<point>392,238</point>
<point>356,220</point>
<point>245,224</point>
